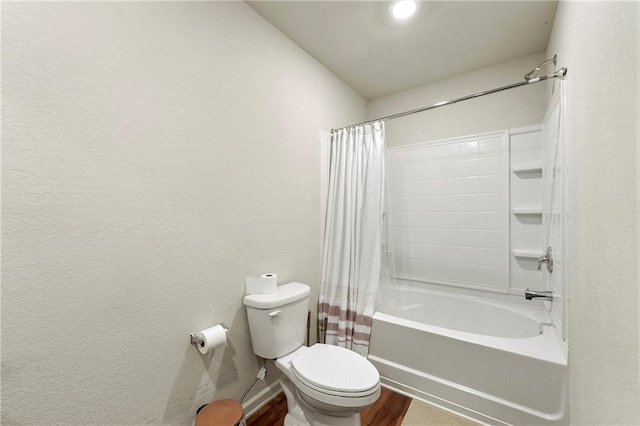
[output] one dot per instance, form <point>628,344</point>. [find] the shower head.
<point>533,74</point>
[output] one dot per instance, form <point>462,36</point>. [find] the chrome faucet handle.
<point>548,259</point>
<point>542,259</point>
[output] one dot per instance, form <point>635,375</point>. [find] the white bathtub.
<point>489,361</point>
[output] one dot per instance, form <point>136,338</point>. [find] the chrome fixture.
<point>197,340</point>
<point>546,258</point>
<point>535,294</point>
<point>533,74</point>
<point>530,78</point>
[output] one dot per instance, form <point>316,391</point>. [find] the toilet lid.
<point>335,369</point>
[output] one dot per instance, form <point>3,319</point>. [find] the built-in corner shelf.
<point>531,168</point>
<point>537,211</point>
<point>527,254</point>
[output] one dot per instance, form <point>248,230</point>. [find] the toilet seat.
<point>335,371</point>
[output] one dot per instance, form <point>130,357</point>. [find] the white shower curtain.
<point>352,239</point>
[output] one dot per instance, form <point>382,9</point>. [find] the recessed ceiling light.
<point>402,9</point>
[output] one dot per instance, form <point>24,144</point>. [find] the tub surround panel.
<point>449,211</point>
<point>555,206</point>
<point>526,209</point>
<point>468,211</point>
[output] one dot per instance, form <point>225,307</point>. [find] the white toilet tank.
<point>278,321</point>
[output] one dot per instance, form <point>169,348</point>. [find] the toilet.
<point>324,385</point>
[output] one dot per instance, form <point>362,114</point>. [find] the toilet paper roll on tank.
<point>264,284</point>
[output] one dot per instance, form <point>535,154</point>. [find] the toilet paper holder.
<point>196,340</point>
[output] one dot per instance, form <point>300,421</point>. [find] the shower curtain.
<point>351,258</point>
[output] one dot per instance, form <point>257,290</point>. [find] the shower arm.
<point>561,73</point>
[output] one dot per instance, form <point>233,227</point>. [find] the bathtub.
<point>490,361</point>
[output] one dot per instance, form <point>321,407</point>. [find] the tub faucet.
<point>535,294</point>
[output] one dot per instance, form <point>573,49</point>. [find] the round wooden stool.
<point>226,412</point>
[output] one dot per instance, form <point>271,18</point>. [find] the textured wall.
<point>154,154</point>
<point>505,110</point>
<point>597,41</point>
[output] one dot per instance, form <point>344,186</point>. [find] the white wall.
<point>510,109</point>
<point>597,41</point>
<point>154,154</point>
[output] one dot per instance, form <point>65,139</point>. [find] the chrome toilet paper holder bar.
<point>196,340</point>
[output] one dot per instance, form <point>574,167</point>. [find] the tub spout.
<point>535,294</point>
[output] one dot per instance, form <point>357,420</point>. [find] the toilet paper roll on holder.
<point>197,340</point>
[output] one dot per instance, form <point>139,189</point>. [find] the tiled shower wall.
<point>467,212</point>
<point>479,211</point>
<point>450,202</point>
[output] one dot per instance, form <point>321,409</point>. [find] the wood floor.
<point>389,410</point>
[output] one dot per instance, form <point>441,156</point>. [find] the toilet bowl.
<point>324,385</point>
<point>329,381</point>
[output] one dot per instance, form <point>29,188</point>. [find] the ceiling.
<point>378,56</point>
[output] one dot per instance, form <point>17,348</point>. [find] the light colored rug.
<point>422,414</point>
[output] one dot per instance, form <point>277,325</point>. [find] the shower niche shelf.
<point>527,254</point>
<point>528,211</point>
<point>526,203</point>
<point>531,168</point>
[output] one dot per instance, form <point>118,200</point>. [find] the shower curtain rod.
<point>558,74</point>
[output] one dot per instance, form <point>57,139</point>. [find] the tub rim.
<point>545,346</point>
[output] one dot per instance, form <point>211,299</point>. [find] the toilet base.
<point>300,414</point>
<point>322,420</point>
